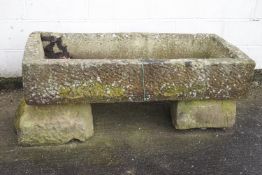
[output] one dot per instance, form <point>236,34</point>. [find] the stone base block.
<point>53,124</point>
<point>203,114</point>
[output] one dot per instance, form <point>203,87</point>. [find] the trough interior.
<point>137,46</point>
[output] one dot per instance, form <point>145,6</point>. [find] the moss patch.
<point>19,112</point>
<point>174,91</point>
<point>95,89</point>
<point>228,106</point>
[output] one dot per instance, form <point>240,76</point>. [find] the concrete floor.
<point>138,138</point>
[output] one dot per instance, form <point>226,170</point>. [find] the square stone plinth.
<point>203,114</point>
<point>53,124</point>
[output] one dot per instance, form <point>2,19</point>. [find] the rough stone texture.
<point>140,45</point>
<point>53,124</point>
<point>203,114</point>
<point>95,81</point>
<point>190,79</point>
<point>134,67</point>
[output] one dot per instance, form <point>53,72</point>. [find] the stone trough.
<point>200,74</point>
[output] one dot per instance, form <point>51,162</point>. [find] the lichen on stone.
<point>94,89</point>
<point>173,90</point>
<point>176,90</point>
<point>19,113</point>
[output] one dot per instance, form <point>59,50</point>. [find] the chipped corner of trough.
<point>235,51</point>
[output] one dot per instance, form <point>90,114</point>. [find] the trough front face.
<point>135,67</point>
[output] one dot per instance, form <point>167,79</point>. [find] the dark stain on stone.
<point>11,83</point>
<point>258,75</point>
<point>188,64</point>
<point>49,49</point>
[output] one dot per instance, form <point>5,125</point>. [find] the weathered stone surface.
<point>190,79</point>
<point>123,67</point>
<point>174,80</point>
<point>203,114</point>
<point>89,81</point>
<point>53,124</point>
<point>141,45</point>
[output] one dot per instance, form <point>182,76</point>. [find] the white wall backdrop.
<point>238,21</point>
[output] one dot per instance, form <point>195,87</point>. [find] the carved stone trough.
<point>200,74</point>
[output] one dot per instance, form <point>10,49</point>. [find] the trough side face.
<point>83,82</point>
<point>33,55</point>
<point>59,81</point>
<point>197,79</point>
